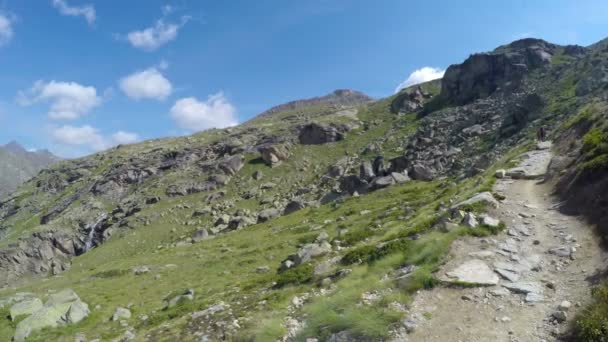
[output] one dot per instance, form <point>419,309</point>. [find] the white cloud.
<point>195,115</point>
<point>69,100</point>
<point>90,137</point>
<point>152,38</point>
<point>79,136</point>
<point>122,138</point>
<point>147,84</point>
<point>6,30</point>
<point>420,76</point>
<point>87,11</point>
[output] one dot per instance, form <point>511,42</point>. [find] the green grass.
<point>296,275</point>
<point>595,150</point>
<point>592,324</point>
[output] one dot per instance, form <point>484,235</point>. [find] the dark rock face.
<point>42,253</point>
<point>294,206</point>
<point>482,74</point>
<point>316,134</point>
<point>521,114</point>
<point>408,102</point>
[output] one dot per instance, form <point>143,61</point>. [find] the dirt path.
<point>546,259</point>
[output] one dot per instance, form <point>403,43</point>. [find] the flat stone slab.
<point>509,275</point>
<point>474,272</point>
<point>525,287</point>
<point>533,166</point>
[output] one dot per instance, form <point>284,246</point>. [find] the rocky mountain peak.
<point>14,147</point>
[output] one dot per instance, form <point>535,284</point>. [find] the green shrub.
<point>595,150</point>
<point>295,276</point>
<point>352,237</point>
<point>370,253</point>
<point>592,324</point>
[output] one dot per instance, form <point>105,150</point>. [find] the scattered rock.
<point>120,314</point>
<point>474,272</point>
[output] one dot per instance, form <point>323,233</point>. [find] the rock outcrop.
<point>482,74</point>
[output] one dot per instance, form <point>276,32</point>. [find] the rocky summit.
<point>429,215</point>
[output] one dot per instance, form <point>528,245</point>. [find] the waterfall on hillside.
<point>89,242</point>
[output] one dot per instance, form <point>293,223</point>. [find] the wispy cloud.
<point>86,11</point>
<point>6,29</point>
<point>161,33</point>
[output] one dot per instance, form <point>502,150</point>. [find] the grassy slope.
<point>224,269</point>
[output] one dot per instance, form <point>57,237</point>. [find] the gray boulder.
<point>121,314</point>
<point>317,134</point>
<point>61,308</point>
<point>268,214</point>
<point>422,172</point>
<point>274,155</point>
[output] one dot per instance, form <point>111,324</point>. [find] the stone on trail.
<point>525,287</point>
<point>482,254</point>
<point>490,221</point>
<point>485,198</point>
<point>561,251</point>
<point>508,275</point>
<point>474,272</point>
<point>534,297</point>
<point>500,174</point>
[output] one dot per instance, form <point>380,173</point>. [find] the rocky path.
<point>539,271</point>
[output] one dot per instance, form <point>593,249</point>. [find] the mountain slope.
<point>18,165</point>
<point>316,219</point>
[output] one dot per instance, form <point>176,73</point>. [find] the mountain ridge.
<point>18,165</point>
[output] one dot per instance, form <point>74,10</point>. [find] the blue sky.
<point>83,75</point>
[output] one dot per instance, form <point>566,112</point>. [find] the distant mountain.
<point>17,165</point>
<point>338,98</point>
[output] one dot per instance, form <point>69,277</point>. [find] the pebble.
<point>564,306</point>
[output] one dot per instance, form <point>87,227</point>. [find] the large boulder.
<point>25,307</point>
<point>268,214</point>
<point>305,254</point>
<point>422,172</point>
<point>294,206</point>
<point>274,155</point>
<point>410,101</point>
<point>317,134</point>
<point>352,184</point>
<point>61,308</point>
<point>232,165</point>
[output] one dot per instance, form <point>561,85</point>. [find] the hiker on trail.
<point>541,134</point>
